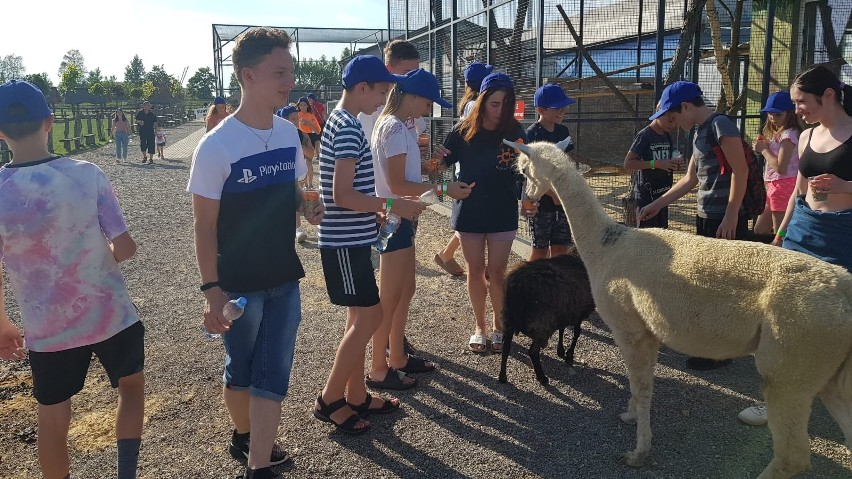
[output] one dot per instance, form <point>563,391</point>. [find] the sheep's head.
<point>539,162</point>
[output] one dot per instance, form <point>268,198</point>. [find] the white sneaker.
<point>301,236</point>
<point>753,416</point>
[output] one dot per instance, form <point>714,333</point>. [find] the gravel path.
<point>460,422</point>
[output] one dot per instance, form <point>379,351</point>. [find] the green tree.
<point>134,73</point>
<point>313,72</point>
<point>71,79</point>
<point>98,90</point>
<point>94,77</point>
<point>201,84</point>
<point>161,80</point>
<point>42,81</point>
<point>176,89</point>
<point>234,87</point>
<point>136,93</point>
<point>73,57</point>
<point>346,53</point>
<point>148,89</point>
<point>11,68</point>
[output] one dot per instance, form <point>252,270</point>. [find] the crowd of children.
<point>253,156</point>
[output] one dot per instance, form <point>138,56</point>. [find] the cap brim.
<point>443,103</point>
<point>773,110</point>
<point>562,103</point>
<point>658,114</point>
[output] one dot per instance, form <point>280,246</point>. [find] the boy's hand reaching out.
<point>11,341</point>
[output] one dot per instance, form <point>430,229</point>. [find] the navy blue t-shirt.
<point>652,184</point>
<point>536,132</point>
<point>492,206</point>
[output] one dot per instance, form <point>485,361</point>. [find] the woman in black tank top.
<point>818,220</point>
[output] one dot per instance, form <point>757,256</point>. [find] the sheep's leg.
<point>569,356</point>
<point>535,358</point>
<point>560,348</point>
<point>640,356</point>
<point>507,346</point>
<point>788,410</point>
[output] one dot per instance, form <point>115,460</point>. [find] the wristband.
<point>781,233</point>
<point>652,165</point>
<point>445,188</point>
<point>210,285</point>
<point>388,205</point>
<point>438,189</point>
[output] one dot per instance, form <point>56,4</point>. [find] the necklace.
<point>266,141</point>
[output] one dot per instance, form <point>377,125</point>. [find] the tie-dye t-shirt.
<point>55,218</point>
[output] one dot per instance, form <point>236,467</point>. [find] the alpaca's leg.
<point>788,410</point>
<point>507,346</point>
<point>535,359</point>
<point>569,356</point>
<point>560,348</point>
<point>838,401</point>
<point>640,356</point>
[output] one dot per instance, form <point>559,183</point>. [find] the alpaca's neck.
<point>591,227</point>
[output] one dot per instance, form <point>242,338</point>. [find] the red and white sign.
<point>519,110</point>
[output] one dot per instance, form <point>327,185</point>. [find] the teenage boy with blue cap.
<point>551,234</point>
<point>346,235</point>
<point>69,209</point>
<point>720,196</point>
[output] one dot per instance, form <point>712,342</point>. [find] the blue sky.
<point>173,33</point>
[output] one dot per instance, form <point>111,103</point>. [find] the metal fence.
<point>632,44</point>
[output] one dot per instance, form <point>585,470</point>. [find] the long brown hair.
<point>472,125</point>
<point>791,120</point>
<point>115,115</point>
<point>469,94</point>
<point>817,79</point>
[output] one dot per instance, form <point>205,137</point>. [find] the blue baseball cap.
<point>551,96</point>
<point>496,80</point>
<point>219,100</point>
<point>422,83</point>
<point>778,102</point>
<point>311,96</point>
<point>475,72</point>
<point>367,68</point>
<point>286,111</point>
<point>675,94</point>
<point>27,95</point>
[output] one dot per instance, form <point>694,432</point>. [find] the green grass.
<point>59,134</point>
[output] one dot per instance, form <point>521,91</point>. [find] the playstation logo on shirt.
<point>248,176</point>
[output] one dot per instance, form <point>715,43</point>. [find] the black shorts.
<point>550,228</point>
<point>59,375</point>
<point>349,276</point>
<point>402,238</point>
<point>314,137</point>
<point>707,227</point>
<point>146,141</point>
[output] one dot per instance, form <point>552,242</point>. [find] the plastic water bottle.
<point>387,229</point>
<point>430,197</point>
<point>232,311</point>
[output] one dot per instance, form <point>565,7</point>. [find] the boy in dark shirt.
<point>651,155</point>
<point>549,228</point>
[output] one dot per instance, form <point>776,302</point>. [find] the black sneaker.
<point>704,364</point>
<point>262,473</point>
<point>239,450</point>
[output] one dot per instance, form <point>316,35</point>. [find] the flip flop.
<point>451,267</point>
<point>416,364</point>
<point>393,380</point>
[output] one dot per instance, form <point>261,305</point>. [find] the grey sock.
<point>128,457</point>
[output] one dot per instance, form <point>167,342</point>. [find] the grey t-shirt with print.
<point>713,187</point>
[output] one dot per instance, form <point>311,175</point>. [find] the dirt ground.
<point>458,423</point>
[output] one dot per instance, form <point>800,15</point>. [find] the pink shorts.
<point>778,193</point>
<point>499,236</point>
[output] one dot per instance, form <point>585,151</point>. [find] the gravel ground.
<point>460,422</point>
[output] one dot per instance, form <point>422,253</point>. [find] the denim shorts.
<point>260,345</point>
<point>550,228</point>
<point>402,238</point>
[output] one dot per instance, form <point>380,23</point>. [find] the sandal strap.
<point>329,409</point>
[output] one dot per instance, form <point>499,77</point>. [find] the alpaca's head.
<point>540,162</point>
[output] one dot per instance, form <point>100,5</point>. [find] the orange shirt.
<point>215,119</point>
<point>308,123</point>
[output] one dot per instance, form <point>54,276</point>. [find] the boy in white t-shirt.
<point>62,236</point>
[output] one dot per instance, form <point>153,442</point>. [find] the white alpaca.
<point>713,299</point>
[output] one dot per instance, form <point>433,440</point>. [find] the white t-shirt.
<point>467,109</point>
<point>391,139</point>
<point>415,126</point>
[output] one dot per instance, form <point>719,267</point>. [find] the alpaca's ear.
<point>519,146</point>
<point>565,143</point>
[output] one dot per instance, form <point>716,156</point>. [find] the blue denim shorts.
<point>402,238</point>
<point>260,345</point>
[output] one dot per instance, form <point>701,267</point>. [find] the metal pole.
<point>540,45</point>
<point>696,48</point>
<point>767,54</point>
<point>661,33</point>
<point>454,60</point>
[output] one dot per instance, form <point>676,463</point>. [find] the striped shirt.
<point>343,140</point>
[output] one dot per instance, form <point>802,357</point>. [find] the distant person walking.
<point>318,109</point>
<point>146,119</point>
<point>121,133</point>
<point>216,113</point>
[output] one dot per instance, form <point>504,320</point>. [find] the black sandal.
<point>348,426</point>
<point>416,365</point>
<point>393,380</point>
<point>364,408</point>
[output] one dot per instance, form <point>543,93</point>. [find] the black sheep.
<point>544,296</point>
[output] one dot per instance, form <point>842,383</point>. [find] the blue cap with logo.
<point>496,80</point>
<point>219,100</point>
<point>551,96</point>
<point>778,102</point>
<point>303,99</point>
<point>475,72</point>
<point>675,94</point>
<point>286,111</point>
<point>366,68</point>
<point>27,95</point>
<point>312,96</point>
<point>422,83</point>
